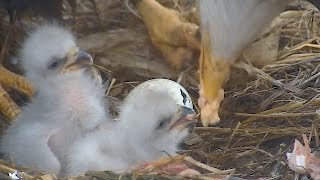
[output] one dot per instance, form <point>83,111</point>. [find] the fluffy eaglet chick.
<point>150,127</point>
<point>154,125</point>
<point>67,105</point>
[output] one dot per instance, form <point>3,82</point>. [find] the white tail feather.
<point>234,24</point>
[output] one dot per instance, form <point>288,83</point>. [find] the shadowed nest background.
<point>265,108</point>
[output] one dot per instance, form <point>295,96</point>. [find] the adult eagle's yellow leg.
<point>9,79</point>
<point>213,73</point>
<point>169,31</point>
<point>228,27</point>
<point>8,107</point>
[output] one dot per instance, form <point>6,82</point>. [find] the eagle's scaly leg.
<point>8,107</point>
<point>213,73</point>
<point>169,31</point>
<point>11,80</point>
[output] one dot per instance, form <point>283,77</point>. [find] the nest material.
<point>264,110</point>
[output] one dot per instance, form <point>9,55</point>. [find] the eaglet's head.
<point>50,51</point>
<point>154,117</point>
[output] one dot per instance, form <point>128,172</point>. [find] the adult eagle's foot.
<point>210,107</point>
<point>10,80</point>
<point>170,32</point>
<point>213,73</point>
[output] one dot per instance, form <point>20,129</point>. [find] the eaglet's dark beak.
<point>78,59</point>
<point>184,118</point>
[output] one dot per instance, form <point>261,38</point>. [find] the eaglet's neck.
<point>78,89</point>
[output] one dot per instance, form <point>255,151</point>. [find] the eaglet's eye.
<point>54,63</point>
<point>163,123</point>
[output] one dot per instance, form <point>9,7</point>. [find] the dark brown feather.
<point>49,9</point>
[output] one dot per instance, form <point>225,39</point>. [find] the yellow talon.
<point>11,80</point>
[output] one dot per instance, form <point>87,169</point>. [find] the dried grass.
<point>264,109</point>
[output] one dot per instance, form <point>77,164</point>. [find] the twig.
<point>279,115</point>
<point>131,10</point>
<point>233,133</point>
<point>110,86</point>
<point>206,167</point>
